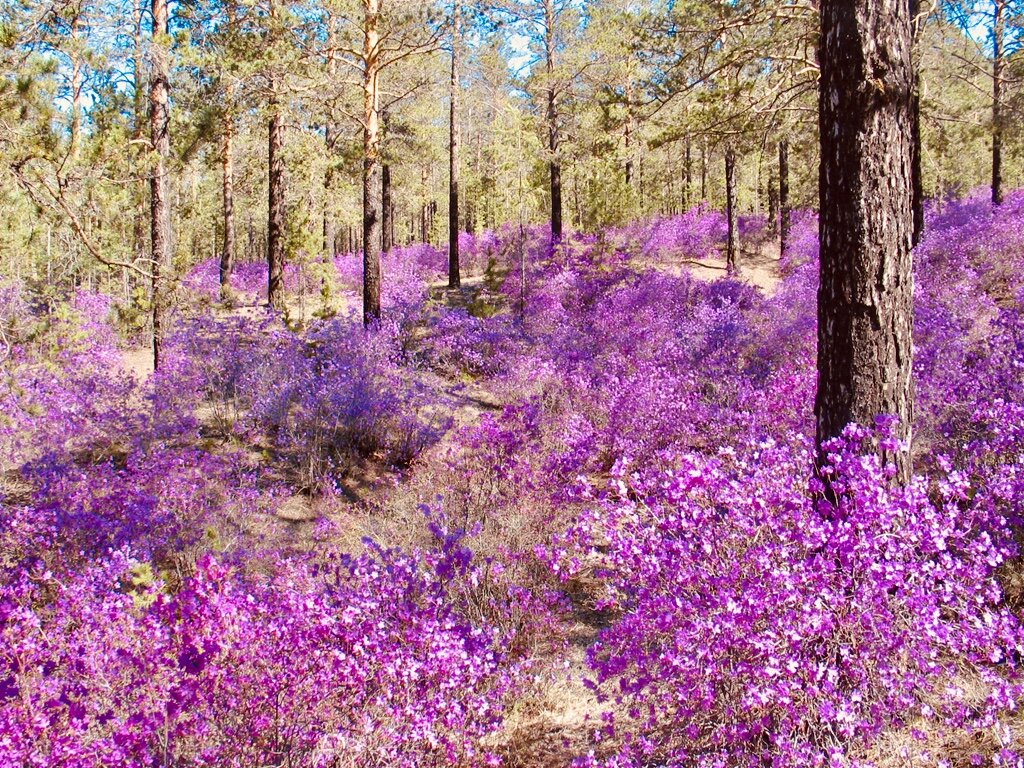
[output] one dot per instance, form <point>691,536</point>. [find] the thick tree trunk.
<point>784,208</point>
<point>371,162</point>
<point>275,209</point>
<point>554,166</point>
<point>864,299</point>
<point>730,210</point>
<point>227,255</point>
<point>454,129</point>
<point>159,207</point>
<point>998,34</point>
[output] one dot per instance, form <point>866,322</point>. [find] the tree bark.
<point>331,140</point>
<point>371,162</point>
<point>866,221</point>
<point>998,35</point>
<point>387,211</point>
<point>454,278</point>
<point>227,256</point>
<point>704,171</point>
<point>159,206</point>
<point>784,209</point>
<point>730,210</point>
<point>554,165</point>
<point>139,130</point>
<point>689,176</point>
<point>275,208</point>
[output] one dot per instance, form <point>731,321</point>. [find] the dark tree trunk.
<point>371,163</point>
<point>864,298</point>
<point>454,278</point>
<point>773,203</point>
<point>555,167</point>
<point>227,254</point>
<point>387,210</point>
<point>275,209</point>
<point>730,210</point>
<point>159,198</point>
<point>704,172</point>
<point>784,209</point>
<point>630,128</point>
<point>998,34</point>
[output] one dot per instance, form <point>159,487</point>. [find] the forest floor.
<point>556,724</point>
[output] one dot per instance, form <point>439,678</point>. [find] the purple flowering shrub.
<point>370,661</point>
<point>249,279</point>
<point>62,388</point>
<point>757,625</point>
<point>321,400</point>
<point>640,449</point>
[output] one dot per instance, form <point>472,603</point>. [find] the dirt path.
<point>758,267</point>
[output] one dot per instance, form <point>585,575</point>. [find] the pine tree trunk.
<point>998,35</point>
<point>454,278</point>
<point>371,163</point>
<point>139,107</point>
<point>917,176</point>
<point>866,221</point>
<point>331,141</point>
<point>689,177</point>
<point>554,166</point>
<point>387,209</point>
<point>159,206</point>
<point>730,210</point>
<point>275,209</point>
<point>784,209</point>
<point>227,256</point>
<point>704,171</point>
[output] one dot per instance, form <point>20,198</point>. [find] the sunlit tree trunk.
<point>454,278</point>
<point>371,162</point>
<point>275,206</point>
<point>139,129</point>
<point>227,255</point>
<point>866,219</point>
<point>159,207</point>
<point>688,168</point>
<point>331,140</point>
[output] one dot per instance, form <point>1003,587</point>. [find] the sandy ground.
<point>759,268</point>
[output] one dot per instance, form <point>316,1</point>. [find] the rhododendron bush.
<point>637,458</point>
